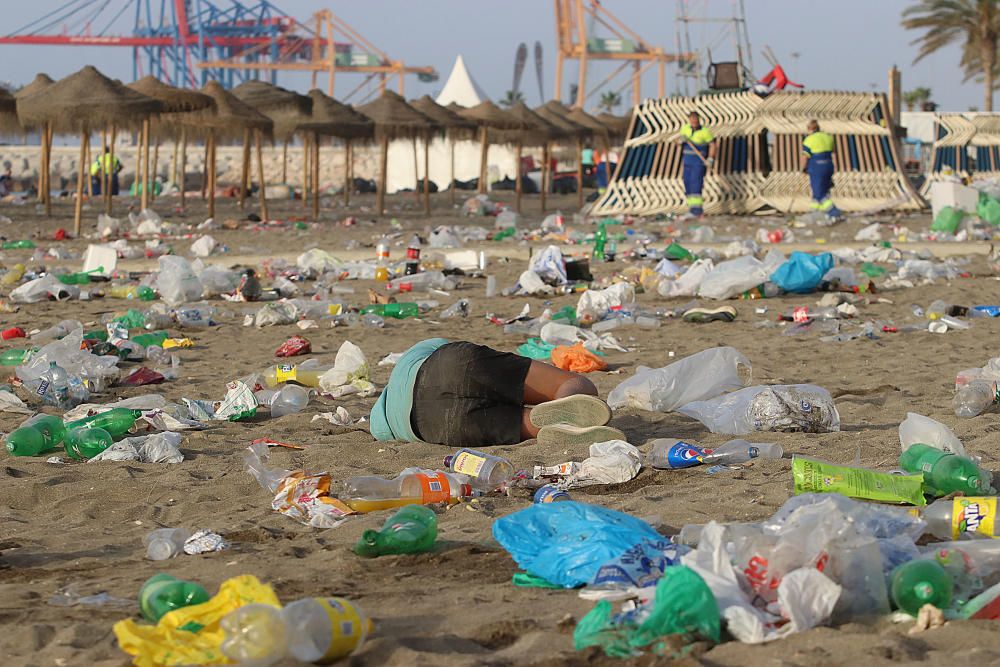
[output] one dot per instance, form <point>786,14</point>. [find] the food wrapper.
<point>168,645</point>
<point>294,346</point>
<point>239,403</point>
<point>305,497</point>
<point>203,542</point>
<point>561,470</point>
<point>171,343</point>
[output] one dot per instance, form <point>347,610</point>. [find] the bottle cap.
<point>447,461</point>
<point>466,490</point>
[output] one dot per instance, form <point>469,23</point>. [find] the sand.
<point>81,525</point>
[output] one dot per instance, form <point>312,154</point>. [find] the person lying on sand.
<point>465,395</point>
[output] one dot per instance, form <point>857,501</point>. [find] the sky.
<point>842,45</point>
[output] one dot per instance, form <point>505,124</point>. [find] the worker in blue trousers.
<point>817,162</point>
<point>698,158</point>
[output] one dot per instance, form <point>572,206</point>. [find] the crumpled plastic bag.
<point>806,597</point>
<point>701,376</point>
<point>733,277</point>
<point>611,462</point>
<point>177,282</point>
<point>41,289</point>
<point>549,265</point>
<point>924,430</point>
<point>786,408</point>
<point>155,448</point>
<point>683,605</point>
<point>443,237</point>
<point>506,219</point>
<point>566,543</point>
<point>530,282</point>
<point>555,333</point>
<point>689,282</point>
<point>215,280</point>
<point>204,246</point>
<point>595,305</point>
<point>166,644</point>
<point>802,272</point>
<point>350,370</point>
<point>317,262</point>
<point>275,313</point>
<point>11,403</point>
<point>577,359</point>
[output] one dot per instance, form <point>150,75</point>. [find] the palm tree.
<point>511,98</point>
<point>609,101</point>
<point>973,23</point>
<point>916,98</point>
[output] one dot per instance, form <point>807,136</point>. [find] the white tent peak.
<point>461,88</point>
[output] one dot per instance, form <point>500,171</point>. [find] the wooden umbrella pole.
<point>284,162</point>
<point>579,172</point>
<point>173,163</point>
<point>348,171</point>
<point>545,174</point>
<point>382,165</point>
<point>78,206</point>
<point>155,140</point>
<point>260,177</point>
<point>245,170</point>
<point>182,181</point>
<point>306,154</point>
<point>427,172</point>
<point>452,188</point>
<point>517,172</point>
<point>204,170</point>
<point>144,171</point>
<point>47,149</point>
<point>42,167</point>
<point>90,181</point>
<point>111,170</point>
<point>315,176</point>
<point>482,159</point>
<point>103,164</point>
<point>210,175</point>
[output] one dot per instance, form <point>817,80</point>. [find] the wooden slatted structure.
<point>752,172</point>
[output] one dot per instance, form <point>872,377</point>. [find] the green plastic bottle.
<point>944,472</point>
<point>116,421</point>
<point>567,313</point>
<point>147,339</point>
<point>15,357</point>
<point>600,238</point>
<point>921,582</point>
<point>411,530</point>
<point>18,245</point>
<point>677,251</point>
<point>132,318</point>
<point>96,334</point>
<point>163,593</point>
<point>38,434</point>
<point>397,311</point>
<point>84,443</point>
<point>506,233</point>
<point>78,278</point>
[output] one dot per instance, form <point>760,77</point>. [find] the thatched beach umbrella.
<point>286,109</point>
<point>80,103</point>
<point>174,101</point>
<point>617,126</point>
<point>535,131</point>
<point>450,124</point>
<point>567,130</point>
<point>334,119</point>
<point>487,116</point>
<point>393,119</point>
<point>40,82</point>
<point>227,118</point>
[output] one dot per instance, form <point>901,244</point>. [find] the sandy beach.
<point>81,525</point>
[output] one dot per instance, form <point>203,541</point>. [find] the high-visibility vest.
<point>95,168</point>
<point>817,143</point>
<point>701,138</point>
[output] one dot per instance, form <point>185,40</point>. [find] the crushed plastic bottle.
<point>411,530</point>
<point>165,543</point>
<point>163,593</point>
<point>289,400</point>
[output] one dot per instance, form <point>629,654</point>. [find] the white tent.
<point>463,90</point>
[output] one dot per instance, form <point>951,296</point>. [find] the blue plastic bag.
<point>802,272</point>
<point>567,543</point>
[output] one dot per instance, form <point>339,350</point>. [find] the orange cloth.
<point>577,359</point>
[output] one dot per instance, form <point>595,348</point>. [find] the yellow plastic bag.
<point>577,359</point>
<point>166,644</point>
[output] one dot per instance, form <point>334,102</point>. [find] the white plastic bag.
<point>555,333</point>
<point>40,289</point>
<point>786,408</point>
<point>698,377</point>
<point>550,266</point>
<point>315,262</point>
<point>506,219</point>
<point>689,282</point>
<point>598,303</point>
<point>611,462</point>
<point>177,282</point>
<point>443,237</point>
<point>924,430</point>
<point>738,275</point>
<point>349,367</point>
<point>204,246</point>
<point>529,282</point>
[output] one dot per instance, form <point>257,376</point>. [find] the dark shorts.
<point>469,395</point>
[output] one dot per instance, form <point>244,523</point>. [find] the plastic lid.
<point>447,461</point>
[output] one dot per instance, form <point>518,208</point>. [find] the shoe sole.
<point>576,410</point>
<point>565,435</point>
<point>702,315</point>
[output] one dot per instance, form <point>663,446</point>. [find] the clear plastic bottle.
<point>373,321</point>
<point>486,470</point>
<point>307,377</point>
<point>458,309</point>
<point>370,494</point>
<point>57,331</point>
<point>962,517</point>
<point>57,392</point>
<point>312,630</point>
<point>974,398</point>
<point>491,286</point>
<point>741,451</point>
<point>288,400</point>
<point>382,251</point>
<point>164,543</point>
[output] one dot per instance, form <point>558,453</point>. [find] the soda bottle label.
<point>549,494</point>
<point>434,487</point>
<point>347,628</point>
<point>973,515</point>
<point>334,309</point>
<point>683,455</point>
<point>284,373</point>
<point>800,314</point>
<point>469,464</point>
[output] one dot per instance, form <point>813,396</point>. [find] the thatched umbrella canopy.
<point>82,102</point>
<point>331,118</point>
<point>454,127</point>
<point>227,118</point>
<point>40,82</point>
<point>487,116</point>
<point>393,118</point>
<point>617,126</point>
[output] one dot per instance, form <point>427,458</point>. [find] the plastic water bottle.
<point>944,472</point>
<point>163,593</point>
<point>55,332</point>
<point>307,377</point>
<point>370,494</point>
<point>458,309</point>
<point>164,543</point>
<point>486,470</point>
<point>921,582</point>
<point>83,443</point>
<point>288,400</point>
<point>975,397</point>
<point>382,251</point>
<point>741,451</point>
<point>491,286</point>
<point>962,517</point>
<point>38,434</point>
<point>411,530</point>
<point>312,630</point>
